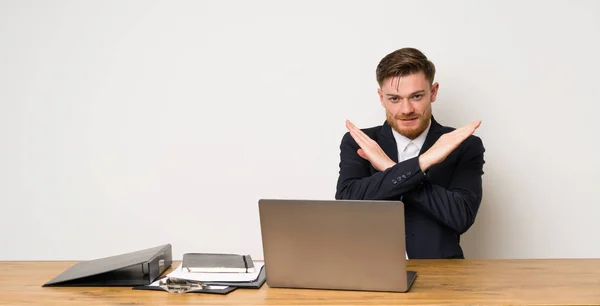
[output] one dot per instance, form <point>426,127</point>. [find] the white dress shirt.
<point>407,148</point>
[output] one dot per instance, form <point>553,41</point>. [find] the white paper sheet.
<point>218,277</point>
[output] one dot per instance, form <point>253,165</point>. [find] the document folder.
<point>130,269</point>
<point>210,286</point>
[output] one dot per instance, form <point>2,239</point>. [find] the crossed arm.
<point>455,206</point>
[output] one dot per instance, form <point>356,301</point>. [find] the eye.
<point>417,97</point>
<point>394,99</point>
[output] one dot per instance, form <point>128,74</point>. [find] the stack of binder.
<point>143,270</point>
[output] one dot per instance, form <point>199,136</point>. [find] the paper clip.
<point>178,285</point>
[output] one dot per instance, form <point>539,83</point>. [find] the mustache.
<point>409,116</point>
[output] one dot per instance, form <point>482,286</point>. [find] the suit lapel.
<point>435,131</point>
<point>387,142</point>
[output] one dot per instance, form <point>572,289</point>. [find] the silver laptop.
<point>335,244</point>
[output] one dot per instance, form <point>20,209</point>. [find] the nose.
<point>406,107</point>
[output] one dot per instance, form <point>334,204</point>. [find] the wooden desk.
<point>556,281</point>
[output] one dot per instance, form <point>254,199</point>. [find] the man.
<point>435,170</point>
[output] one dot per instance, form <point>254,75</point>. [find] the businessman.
<point>435,170</point>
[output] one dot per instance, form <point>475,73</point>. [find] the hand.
<point>369,149</point>
<point>445,145</point>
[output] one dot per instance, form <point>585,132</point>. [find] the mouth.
<point>408,120</point>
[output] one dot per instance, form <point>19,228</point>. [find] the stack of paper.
<point>218,277</point>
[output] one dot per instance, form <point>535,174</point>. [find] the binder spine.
<point>160,263</point>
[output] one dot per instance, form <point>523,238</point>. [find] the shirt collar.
<point>402,141</point>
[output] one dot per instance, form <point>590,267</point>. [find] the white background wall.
<point>129,124</point>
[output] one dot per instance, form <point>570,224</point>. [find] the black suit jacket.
<point>440,205</point>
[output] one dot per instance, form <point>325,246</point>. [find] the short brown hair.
<point>403,62</point>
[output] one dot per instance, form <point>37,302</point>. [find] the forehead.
<point>405,85</point>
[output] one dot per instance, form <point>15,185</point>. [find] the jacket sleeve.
<point>355,181</point>
<point>457,205</point>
